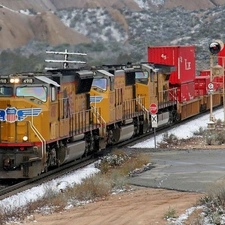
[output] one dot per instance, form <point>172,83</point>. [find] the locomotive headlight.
<point>17,80</point>
<point>14,80</point>
<point>25,138</point>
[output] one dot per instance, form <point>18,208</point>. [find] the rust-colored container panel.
<point>183,57</point>
<point>185,91</point>
<point>216,100</point>
<point>190,109</point>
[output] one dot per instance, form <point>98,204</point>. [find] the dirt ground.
<point>143,206</point>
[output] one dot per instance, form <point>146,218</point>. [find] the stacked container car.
<point>192,97</point>
<point>202,89</point>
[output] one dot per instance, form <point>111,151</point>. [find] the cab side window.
<point>53,94</point>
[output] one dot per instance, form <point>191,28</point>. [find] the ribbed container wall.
<point>183,57</point>
<point>201,85</point>
<point>185,91</point>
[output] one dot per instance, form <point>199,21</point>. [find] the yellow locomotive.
<point>45,120</point>
<point>48,119</point>
<point>123,93</point>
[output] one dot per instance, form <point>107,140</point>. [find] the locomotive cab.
<point>24,99</point>
<point>152,83</point>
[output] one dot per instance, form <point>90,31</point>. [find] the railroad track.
<point>24,185</point>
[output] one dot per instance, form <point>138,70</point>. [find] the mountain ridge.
<point>39,20</point>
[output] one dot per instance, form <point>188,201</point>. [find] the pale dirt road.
<point>144,206</point>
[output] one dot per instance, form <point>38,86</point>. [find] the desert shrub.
<point>168,140</point>
<point>95,186</point>
<point>15,214</point>
<point>136,161</point>
<point>209,137</point>
<point>111,161</point>
<point>214,201</point>
<point>215,137</point>
<point>200,131</point>
<point>217,194</point>
<point>220,137</point>
<point>219,123</point>
<point>170,213</point>
<point>119,181</point>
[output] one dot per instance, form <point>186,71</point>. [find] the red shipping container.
<point>201,85</point>
<point>221,57</point>
<point>218,82</point>
<point>199,92</point>
<point>205,73</point>
<point>183,57</point>
<point>185,91</point>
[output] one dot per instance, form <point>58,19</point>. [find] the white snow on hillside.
<point>143,4</point>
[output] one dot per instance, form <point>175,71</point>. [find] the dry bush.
<point>170,213</point>
<point>199,132</point>
<point>215,203</point>
<point>217,194</point>
<point>16,214</point>
<point>107,163</point>
<point>119,181</point>
<point>215,137</point>
<point>219,123</point>
<point>93,187</point>
<point>136,161</point>
<point>168,141</point>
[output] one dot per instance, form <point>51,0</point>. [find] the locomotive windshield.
<point>36,92</point>
<point>100,83</point>
<point>6,91</point>
<point>141,77</point>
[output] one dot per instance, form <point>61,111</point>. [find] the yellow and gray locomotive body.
<point>113,95</point>
<point>45,120</point>
<point>123,93</point>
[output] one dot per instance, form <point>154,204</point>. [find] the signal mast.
<point>214,47</point>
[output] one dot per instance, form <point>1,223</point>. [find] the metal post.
<point>155,137</point>
<point>211,79</point>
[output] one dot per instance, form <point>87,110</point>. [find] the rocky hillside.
<point>111,31</point>
<point>56,21</point>
<point>42,5</point>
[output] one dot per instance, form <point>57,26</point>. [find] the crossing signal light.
<point>215,47</point>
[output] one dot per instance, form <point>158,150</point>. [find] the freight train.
<point>61,115</point>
